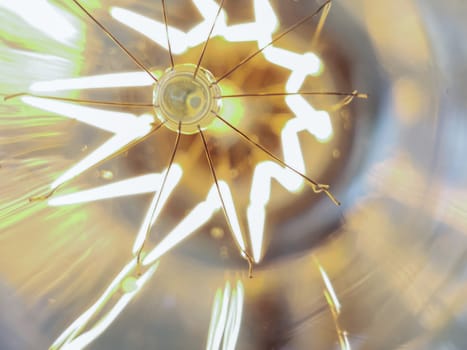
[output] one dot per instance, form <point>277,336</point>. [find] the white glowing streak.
<point>180,41</point>
<point>256,217</point>
<point>346,341</point>
<point>226,318</point>
<point>315,122</point>
<point>263,175</point>
<point>104,151</point>
<point>318,123</point>
<point>216,306</point>
<point>267,21</point>
<point>126,127</point>
<point>208,10</point>
<point>330,289</point>
<point>230,324</point>
<point>232,214</point>
<point>137,185</point>
<point>201,214</point>
<point>86,338</point>
<point>115,122</point>
<point>57,25</point>
<point>103,81</point>
<point>234,320</point>
<point>260,31</point>
<point>81,322</point>
<point>35,56</point>
<point>218,318</point>
<point>307,118</point>
<point>153,212</point>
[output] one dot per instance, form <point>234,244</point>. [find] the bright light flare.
<point>263,175</point>
<point>306,118</point>
<point>34,12</point>
<point>199,216</point>
<point>330,289</point>
<point>234,318</point>
<point>126,127</point>
<point>335,306</point>
<point>226,318</point>
<point>71,339</point>
<point>87,338</point>
<point>138,185</point>
<point>157,204</point>
<point>232,214</point>
<point>219,317</point>
<point>101,81</point>
<point>111,121</point>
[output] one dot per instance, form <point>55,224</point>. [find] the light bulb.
<point>167,150</point>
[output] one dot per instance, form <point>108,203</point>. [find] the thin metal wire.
<point>113,155</point>
<point>208,38</point>
<point>319,27</point>
<point>164,10</point>
<point>159,194</point>
<point>317,188</point>
<point>216,182</point>
<point>280,36</point>
<point>354,94</point>
<point>79,100</point>
<point>115,40</point>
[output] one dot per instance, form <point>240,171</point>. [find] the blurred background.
<point>394,252</point>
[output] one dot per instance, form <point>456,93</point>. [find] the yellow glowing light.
<point>307,119</point>
<point>127,128</point>
<point>129,284</point>
<point>231,110</point>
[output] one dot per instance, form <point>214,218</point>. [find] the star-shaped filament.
<point>187,98</point>
<point>130,130</point>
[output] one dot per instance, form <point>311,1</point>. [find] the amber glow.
<point>126,129</point>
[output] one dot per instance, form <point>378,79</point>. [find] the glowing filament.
<point>226,318</point>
